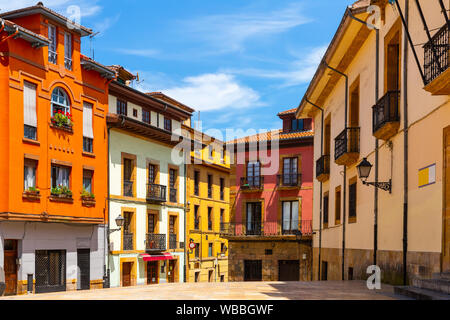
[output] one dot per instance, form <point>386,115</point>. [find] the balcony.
<point>128,242</point>
<point>128,188</point>
<point>52,56</point>
<point>156,242</point>
<point>173,195</point>
<point>252,183</point>
<point>156,193</point>
<point>68,63</point>
<point>279,228</point>
<point>323,168</point>
<point>386,119</point>
<point>437,73</point>
<point>347,147</point>
<point>292,180</point>
<point>173,241</point>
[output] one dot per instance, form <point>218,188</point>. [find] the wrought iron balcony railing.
<point>267,228</point>
<point>252,183</point>
<point>323,166</point>
<point>156,242</point>
<point>68,63</point>
<point>52,56</point>
<point>289,180</point>
<point>173,195</point>
<point>436,54</point>
<point>386,110</point>
<point>156,193</point>
<point>128,188</point>
<point>173,241</point>
<point>128,241</point>
<point>347,142</point>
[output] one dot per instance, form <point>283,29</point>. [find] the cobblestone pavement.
<point>326,290</point>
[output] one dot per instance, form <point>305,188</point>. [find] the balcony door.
<point>290,217</point>
<point>290,171</point>
<point>253,218</point>
<point>10,255</point>
<point>446,218</point>
<point>254,173</point>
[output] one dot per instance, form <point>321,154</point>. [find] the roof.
<point>273,135</point>
<point>35,39</point>
<point>89,64</point>
<point>122,72</point>
<point>167,99</point>
<point>40,9</point>
<point>282,113</point>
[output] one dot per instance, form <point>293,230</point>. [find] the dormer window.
<point>297,125</point>
<point>68,51</point>
<point>52,55</point>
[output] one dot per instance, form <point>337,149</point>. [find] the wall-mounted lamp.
<point>119,222</point>
<point>364,169</point>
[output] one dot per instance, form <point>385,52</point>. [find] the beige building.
<point>396,116</point>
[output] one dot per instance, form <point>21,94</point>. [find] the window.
<point>210,219</point>
<point>354,105</point>
<point>128,237</point>
<point>60,176</point>
<point>121,107</point>
<point>210,181</point>
<point>146,116</point>
<point>196,183</point>
<point>222,248</point>
<point>68,51</point>
<point>52,55</point>
<point>151,223</point>
<point>88,131</point>
<point>254,218</point>
<point>173,232</point>
<point>222,155</point>
<point>151,174</point>
<point>128,167</point>
<point>60,102</point>
<point>172,185</point>
<point>253,174</point>
<point>87,180</point>
<point>167,124</point>
<point>222,217</point>
<point>197,250</point>
<point>196,217</point>
<point>172,223</point>
<point>290,171</point>
<point>29,174</point>
<point>326,205</point>
<point>29,111</point>
<point>352,201</point>
<point>210,250</point>
<point>222,189</point>
<point>298,125</point>
<point>290,216</point>
<point>210,151</point>
<point>197,277</point>
<point>135,113</point>
<point>337,207</point>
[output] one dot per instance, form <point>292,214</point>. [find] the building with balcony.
<point>146,185</point>
<point>398,118</point>
<point>270,230</point>
<point>52,193</point>
<point>208,196</point>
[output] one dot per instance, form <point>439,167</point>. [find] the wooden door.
<point>10,267</point>
<point>126,274</point>
<point>152,272</point>
<point>288,270</point>
<point>446,211</point>
<point>171,271</point>
<point>252,270</point>
<point>84,269</point>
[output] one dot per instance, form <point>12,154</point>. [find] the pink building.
<point>271,228</point>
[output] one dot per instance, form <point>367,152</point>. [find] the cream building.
<point>405,231</point>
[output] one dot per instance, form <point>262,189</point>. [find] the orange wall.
<point>19,62</point>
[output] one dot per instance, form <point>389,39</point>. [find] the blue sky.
<point>238,62</point>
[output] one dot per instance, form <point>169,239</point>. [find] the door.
<point>50,268</point>
<point>254,218</point>
<point>172,271</point>
<point>84,269</point>
<point>10,267</point>
<point>252,270</point>
<point>446,213</point>
<point>152,272</point>
<point>126,274</point>
<point>288,270</point>
<point>324,270</point>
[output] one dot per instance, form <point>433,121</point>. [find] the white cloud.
<point>214,91</point>
<point>229,32</point>
<point>146,53</point>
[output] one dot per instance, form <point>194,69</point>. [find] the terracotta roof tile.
<point>287,112</point>
<point>273,135</point>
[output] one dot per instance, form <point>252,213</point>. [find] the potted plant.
<point>62,120</point>
<point>87,197</point>
<point>61,192</point>
<point>32,191</point>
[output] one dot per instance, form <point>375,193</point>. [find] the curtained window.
<point>60,176</point>
<point>88,131</point>
<point>60,101</point>
<point>29,174</point>
<point>87,180</point>
<point>52,55</point>
<point>29,111</point>
<point>290,216</point>
<point>68,51</point>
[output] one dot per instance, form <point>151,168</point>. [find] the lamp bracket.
<point>386,186</point>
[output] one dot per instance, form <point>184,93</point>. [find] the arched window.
<point>60,101</point>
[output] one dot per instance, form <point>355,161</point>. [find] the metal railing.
<point>196,189</point>
<point>128,188</point>
<point>156,192</point>
<point>267,228</point>
<point>128,242</point>
<point>323,165</point>
<point>68,63</point>
<point>173,244</point>
<point>173,195</point>
<point>386,110</point>
<point>289,180</point>
<point>347,142</point>
<point>52,56</point>
<point>435,63</point>
<point>156,242</point>
<point>256,183</point>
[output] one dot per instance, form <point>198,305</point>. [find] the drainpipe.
<point>321,188</point>
<point>377,73</point>
<point>185,220</point>
<point>345,171</point>
<point>107,281</point>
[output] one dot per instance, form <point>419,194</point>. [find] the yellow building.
<point>398,118</point>
<point>208,199</point>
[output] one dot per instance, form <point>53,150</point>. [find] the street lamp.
<point>119,222</point>
<point>364,168</point>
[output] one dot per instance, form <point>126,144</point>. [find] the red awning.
<point>150,257</point>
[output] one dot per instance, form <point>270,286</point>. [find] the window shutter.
<point>29,105</point>
<point>88,131</point>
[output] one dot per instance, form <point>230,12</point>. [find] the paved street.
<point>331,290</point>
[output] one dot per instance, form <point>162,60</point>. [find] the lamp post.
<point>364,168</point>
<point>119,222</point>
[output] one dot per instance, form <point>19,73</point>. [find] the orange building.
<point>53,142</point>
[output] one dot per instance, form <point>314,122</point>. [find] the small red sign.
<point>192,245</point>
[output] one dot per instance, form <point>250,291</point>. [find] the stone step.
<point>420,294</point>
<point>440,285</point>
<point>443,275</point>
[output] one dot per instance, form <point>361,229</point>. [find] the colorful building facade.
<point>53,143</point>
<point>270,231</point>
